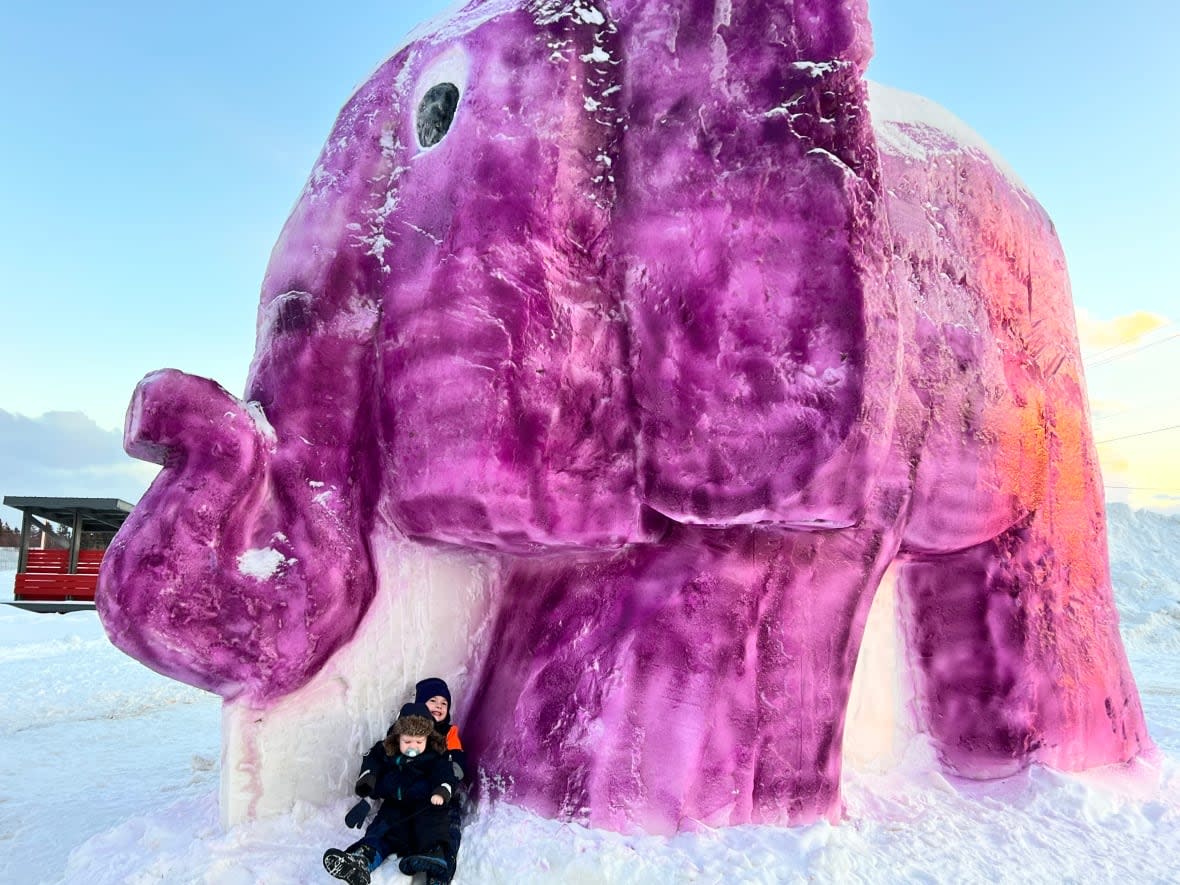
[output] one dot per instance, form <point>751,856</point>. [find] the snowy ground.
<point>108,774</point>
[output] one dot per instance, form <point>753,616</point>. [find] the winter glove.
<point>365,784</point>
<point>441,795</point>
<point>355,818</point>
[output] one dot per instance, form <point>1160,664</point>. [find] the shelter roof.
<point>98,514</point>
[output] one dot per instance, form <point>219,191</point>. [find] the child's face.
<point>438,707</point>
<point>411,745</point>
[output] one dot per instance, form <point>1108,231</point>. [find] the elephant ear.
<point>748,227</point>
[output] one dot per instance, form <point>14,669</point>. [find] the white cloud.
<point>1121,331</point>
<point>66,454</point>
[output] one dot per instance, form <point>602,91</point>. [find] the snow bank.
<point>1145,570</point>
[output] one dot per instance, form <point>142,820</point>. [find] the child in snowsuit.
<point>436,696</point>
<point>411,775</point>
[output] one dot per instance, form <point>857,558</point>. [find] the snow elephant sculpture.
<point>613,353</point>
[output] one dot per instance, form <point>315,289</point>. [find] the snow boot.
<point>433,863</point>
<point>351,866</point>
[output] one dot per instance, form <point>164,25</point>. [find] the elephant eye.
<point>436,112</point>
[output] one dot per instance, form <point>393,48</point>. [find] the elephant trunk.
<point>210,580</point>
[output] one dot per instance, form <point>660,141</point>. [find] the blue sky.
<point>151,153</point>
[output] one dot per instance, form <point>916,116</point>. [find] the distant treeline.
<point>58,536</point>
<point>9,536</point>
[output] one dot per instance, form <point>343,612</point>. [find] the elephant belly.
<point>983,454</point>
<point>961,498</point>
<point>992,416</point>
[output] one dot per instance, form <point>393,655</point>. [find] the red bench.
<point>46,577</point>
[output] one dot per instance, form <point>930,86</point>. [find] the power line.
<point>1134,435</point>
<point>1118,356</point>
<point>1096,356</point>
<point>1141,489</point>
<point>1108,415</point>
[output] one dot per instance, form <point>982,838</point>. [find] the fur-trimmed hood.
<point>414,720</point>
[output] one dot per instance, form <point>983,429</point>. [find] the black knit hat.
<point>431,688</point>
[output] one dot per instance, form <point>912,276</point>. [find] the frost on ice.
<point>261,564</point>
<point>626,456</point>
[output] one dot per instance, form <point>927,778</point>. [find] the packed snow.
<point>896,112</point>
<point>110,775</point>
<point>262,563</point>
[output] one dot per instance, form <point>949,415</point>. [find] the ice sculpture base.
<point>428,619</point>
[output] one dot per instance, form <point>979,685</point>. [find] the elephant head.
<point>563,271</point>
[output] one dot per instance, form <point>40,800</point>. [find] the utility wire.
<point>1108,415</point>
<point>1118,356</point>
<point>1141,489</point>
<point>1097,356</point>
<point>1134,435</point>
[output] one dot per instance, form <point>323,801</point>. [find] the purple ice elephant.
<point>631,299</point>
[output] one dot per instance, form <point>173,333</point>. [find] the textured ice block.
<point>668,343</point>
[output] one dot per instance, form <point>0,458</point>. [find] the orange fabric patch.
<point>453,742</point>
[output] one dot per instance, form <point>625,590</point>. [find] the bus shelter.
<point>52,577</point>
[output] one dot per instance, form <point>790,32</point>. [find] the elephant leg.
<point>1016,654</point>
<point>703,681</point>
